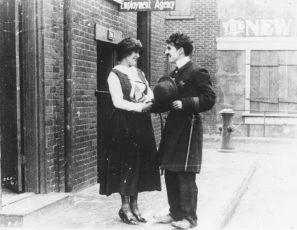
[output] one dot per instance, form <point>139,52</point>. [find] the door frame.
<point>32,95</point>
<point>144,34</point>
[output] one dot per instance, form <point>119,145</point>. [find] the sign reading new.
<point>147,5</point>
<point>259,27</point>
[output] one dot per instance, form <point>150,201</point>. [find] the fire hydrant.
<point>226,130</point>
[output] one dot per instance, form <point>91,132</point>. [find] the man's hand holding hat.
<point>177,105</point>
<point>165,93</point>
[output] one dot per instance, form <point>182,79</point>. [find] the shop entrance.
<point>106,60</point>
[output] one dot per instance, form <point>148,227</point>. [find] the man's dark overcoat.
<point>181,144</point>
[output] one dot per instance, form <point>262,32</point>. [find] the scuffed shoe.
<point>165,219</point>
<point>182,224</point>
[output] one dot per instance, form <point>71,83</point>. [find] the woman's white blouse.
<point>137,90</point>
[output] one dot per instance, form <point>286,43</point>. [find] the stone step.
<point>24,212</point>
<point>8,199</point>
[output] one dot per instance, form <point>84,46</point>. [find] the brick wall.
<point>203,29</point>
<point>84,81</point>
<point>54,93</point>
<point>85,14</point>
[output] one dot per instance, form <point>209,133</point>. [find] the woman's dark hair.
<point>181,40</point>
<point>127,46</point>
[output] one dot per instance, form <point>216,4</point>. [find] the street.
<point>252,187</point>
<point>270,202</point>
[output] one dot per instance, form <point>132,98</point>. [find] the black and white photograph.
<point>148,114</point>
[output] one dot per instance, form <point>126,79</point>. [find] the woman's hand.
<point>146,106</point>
<point>177,105</point>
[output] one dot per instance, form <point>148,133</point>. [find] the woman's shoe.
<point>125,218</point>
<point>139,218</point>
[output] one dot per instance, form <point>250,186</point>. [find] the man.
<point>181,144</point>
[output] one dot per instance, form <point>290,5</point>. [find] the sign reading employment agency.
<point>147,5</point>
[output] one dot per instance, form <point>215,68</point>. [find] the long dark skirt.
<point>130,161</point>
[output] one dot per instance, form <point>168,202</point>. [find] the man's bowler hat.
<point>165,91</point>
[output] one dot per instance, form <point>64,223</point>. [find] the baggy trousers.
<point>182,195</point>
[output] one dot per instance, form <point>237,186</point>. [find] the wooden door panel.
<point>264,58</point>
<point>255,81</point>
<point>264,83</point>
<point>284,82</point>
<point>292,83</point>
<point>288,57</point>
<point>105,62</point>
<point>274,81</point>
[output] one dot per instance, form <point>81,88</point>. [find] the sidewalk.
<point>222,182</point>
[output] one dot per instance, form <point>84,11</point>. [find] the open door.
<point>11,160</point>
<point>106,61</point>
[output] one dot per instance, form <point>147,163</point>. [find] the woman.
<point>130,163</point>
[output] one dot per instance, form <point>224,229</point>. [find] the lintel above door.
<point>105,34</point>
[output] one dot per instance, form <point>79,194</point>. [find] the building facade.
<point>257,66</point>
<point>55,57</point>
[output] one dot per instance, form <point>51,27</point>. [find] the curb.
<point>247,140</point>
<point>231,207</point>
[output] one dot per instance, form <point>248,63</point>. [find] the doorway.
<point>106,60</point>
